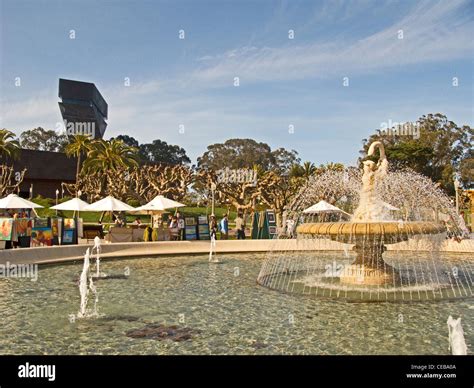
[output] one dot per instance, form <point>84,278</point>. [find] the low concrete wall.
<point>57,254</point>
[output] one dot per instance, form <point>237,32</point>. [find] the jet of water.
<point>457,343</point>
<point>212,252</point>
<point>83,285</point>
<point>97,248</point>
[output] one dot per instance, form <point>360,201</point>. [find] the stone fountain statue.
<point>370,205</point>
<point>370,229</point>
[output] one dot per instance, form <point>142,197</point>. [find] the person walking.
<point>240,226</point>
<point>224,228</point>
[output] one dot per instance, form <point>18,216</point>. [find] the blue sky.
<point>283,81</point>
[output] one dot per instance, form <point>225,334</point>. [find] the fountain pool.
<point>213,309</point>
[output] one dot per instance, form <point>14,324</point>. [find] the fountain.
<point>413,236</point>
<point>369,229</point>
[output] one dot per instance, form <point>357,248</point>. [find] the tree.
<point>438,152</point>
<point>140,184</point>
<point>10,180</point>
<point>9,146</point>
<point>304,170</point>
<point>277,190</point>
<point>240,194</point>
<point>466,169</point>
<point>41,139</point>
<point>109,156</point>
<point>245,153</point>
<point>161,152</point>
<point>128,140</point>
<point>79,145</point>
<point>245,158</point>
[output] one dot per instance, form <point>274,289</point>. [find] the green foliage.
<point>128,140</point>
<point>133,202</point>
<point>46,203</point>
<point>157,151</point>
<point>9,146</point>
<point>111,155</point>
<point>247,153</point>
<point>161,152</point>
<point>41,139</point>
<point>442,149</point>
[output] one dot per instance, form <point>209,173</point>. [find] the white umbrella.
<point>389,207</point>
<point>75,204</point>
<point>108,204</point>
<point>324,207</point>
<point>13,201</point>
<point>159,204</point>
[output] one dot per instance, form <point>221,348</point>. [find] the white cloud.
<point>431,32</point>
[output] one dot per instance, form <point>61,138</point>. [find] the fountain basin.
<point>388,232</point>
<point>369,238</point>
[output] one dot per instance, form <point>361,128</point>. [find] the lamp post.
<point>213,190</point>
<point>79,193</point>
<point>456,188</point>
<point>57,196</point>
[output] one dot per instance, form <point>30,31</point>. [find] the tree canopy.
<point>43,140</point>
<point>157,152</point>
<point>442,149</point>
<point>247,153</point>
<point>9,146</point>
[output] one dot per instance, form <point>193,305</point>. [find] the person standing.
<point>181,226</point>
<point>240,226</point>
<point>224,228</point>
<point>173,229</point>
<point>213,227</point>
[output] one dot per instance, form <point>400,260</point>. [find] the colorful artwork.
<point>41,223</point>
<point>23,227</point>
<point>68,237</point>
<point>55,226</point>
<point>202,220</point>
<point>6,228</point>
<point>41,237</point>
<point>69,223</point>
<point>190,221</point>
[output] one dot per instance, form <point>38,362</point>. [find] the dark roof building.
<point>45,171</point>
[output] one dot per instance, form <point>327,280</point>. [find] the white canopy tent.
<point>75,204</point>
<point>389,207</point>
<point>159,204</point>
<point>108,204</point>
<point>13,201</point>
<point>323,207</point>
